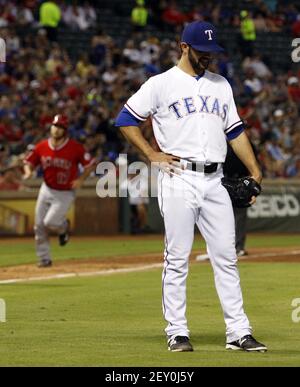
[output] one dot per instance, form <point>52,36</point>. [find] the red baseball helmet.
<point>61,121</point>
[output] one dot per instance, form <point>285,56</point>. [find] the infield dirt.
<point>286,254</point>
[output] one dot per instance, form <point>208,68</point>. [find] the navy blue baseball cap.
<point>202,36</point>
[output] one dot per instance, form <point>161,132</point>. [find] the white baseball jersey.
<point>190,117</point>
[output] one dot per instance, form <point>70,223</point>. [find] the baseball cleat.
<point>44,264</point>
<point>180,344</point>
<point>247,343</point>
<point>65,237</point>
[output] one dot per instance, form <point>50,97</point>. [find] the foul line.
<point>83,274</point>
<point>258,255</point>
<point>262,255</point>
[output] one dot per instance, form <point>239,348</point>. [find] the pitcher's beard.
<point>200,65</point>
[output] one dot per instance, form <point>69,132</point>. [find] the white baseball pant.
<point>198,198</point>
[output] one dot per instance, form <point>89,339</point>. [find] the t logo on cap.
<point>201,36</point>
<point>209,32</point>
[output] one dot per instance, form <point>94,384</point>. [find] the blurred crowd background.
<point>84,59</point>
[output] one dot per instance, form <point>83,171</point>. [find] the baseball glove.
<point>241,190</point>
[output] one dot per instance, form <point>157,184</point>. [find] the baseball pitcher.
<point>59,157</point>
<point>193,114</point>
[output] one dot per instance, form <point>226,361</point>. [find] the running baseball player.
<point>59,157</point>
<point>193,114</point>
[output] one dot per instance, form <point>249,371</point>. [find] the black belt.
<point>196,167</point>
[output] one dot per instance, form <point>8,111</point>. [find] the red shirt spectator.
<point>73,92</point>
<point>173,15</point>
<point>294,89</point>
<point>7,14</point>
<point>45,120</point>
<point>296,28</point>
<point>8,132</point>
<point>195,14</point>
<point>9,182</point>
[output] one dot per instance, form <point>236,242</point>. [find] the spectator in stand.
<point>202,12</point>
<point>24,16</point>
<point>253,86</point>
<point>4,156</point>
<point>155,11</point>
<point>11,176</point>
<point>248,33</point>
<point>258,6</point>
<point>79,18</point>
<point>8,14</point>
<point>84,68</point>
<point>225,68</point>
<point>296,27</point>
<point>260,23</point>
<point>50,17</point>
<point>131,52</point>
<point>9,181</point>
<point>216,16</point>
<point>31,4</point>
<point>139,16</point>
<point>271,4</point>
<point>259,68</point>
<point>150,50</point>
<point>172,16</point>
<point>277,155</point>
<point>196,14</point>
<point>31,91</point>
<point>294,90</point>
<point>293,170</point>
<point>99,48</point>
<point>279,20</point>
<point>90,14</point>
<point>279,127</point>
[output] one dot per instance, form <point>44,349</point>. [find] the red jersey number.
<point>62,178</point>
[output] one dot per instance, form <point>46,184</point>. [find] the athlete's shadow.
<point>204,339</point>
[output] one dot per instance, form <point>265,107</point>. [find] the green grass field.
<point>116,320</point>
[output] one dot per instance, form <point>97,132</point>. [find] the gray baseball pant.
<point>50,216</point>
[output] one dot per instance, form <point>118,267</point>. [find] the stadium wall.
<point>277,210</point>
<point>88,216</point>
